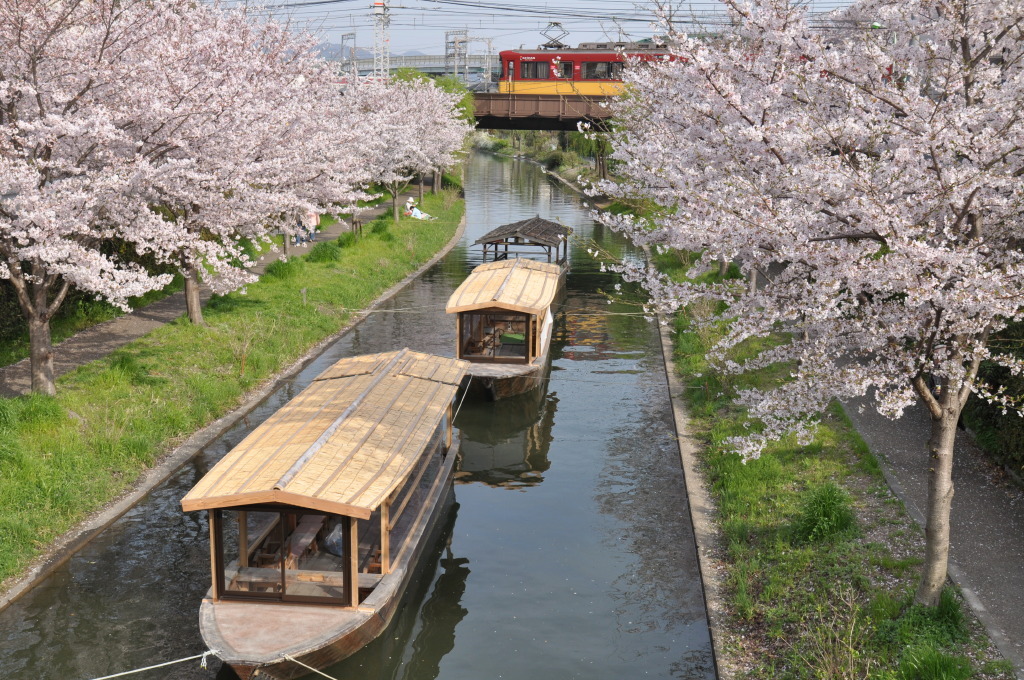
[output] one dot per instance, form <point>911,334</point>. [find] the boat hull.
<point>332,633</point>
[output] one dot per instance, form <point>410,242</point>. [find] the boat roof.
<point>344,443</point>
<point>517,284</point>
<point>535,230</point>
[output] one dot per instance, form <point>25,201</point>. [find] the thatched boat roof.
<point>344,443</point>
<point>519,285</point>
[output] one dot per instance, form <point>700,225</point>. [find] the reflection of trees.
<point>505,443</point>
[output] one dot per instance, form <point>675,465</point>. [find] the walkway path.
<point>100,340</point>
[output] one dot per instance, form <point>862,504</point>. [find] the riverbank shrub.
<point>825,515</point>
<point>63,457</point>
<point>797,607</point>
<point>325,251</point>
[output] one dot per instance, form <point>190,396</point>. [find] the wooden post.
<point>214,561</point>
<point>448,427</point>
<point>385,538</point>
<point>243,538</point>
<point>350,536</point>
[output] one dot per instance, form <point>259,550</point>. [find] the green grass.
<point>63,457</point>
<point>822,560</point>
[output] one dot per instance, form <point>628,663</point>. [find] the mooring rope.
<point>160,665</point>
<point>456,414</point>
<point>294,660</point>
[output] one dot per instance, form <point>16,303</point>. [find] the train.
<point>591,69</point>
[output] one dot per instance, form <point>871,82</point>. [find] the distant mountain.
<point>332,52</point>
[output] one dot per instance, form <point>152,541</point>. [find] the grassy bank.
<point>820,558</point>
<point>62,458</point>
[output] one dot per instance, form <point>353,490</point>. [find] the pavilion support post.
<point>350,536</point>
<point>385,538</point>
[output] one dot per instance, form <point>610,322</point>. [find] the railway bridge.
<point>502,111</point>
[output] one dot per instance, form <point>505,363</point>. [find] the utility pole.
<point>381,39</point>
<point>348,59</point>
<point>455,47</point>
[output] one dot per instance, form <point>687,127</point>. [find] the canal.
<point>569,553</point>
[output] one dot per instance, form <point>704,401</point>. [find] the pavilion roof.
<point>534,230</point>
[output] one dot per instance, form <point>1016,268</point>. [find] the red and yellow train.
<point>592,69</point>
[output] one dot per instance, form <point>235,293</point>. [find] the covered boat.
<point>318,517</point>
<point>504,324</point>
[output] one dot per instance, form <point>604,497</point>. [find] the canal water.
<point>568,553</point>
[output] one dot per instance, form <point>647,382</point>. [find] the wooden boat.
<point>319,516</point>
<point>504,324</point>
<point>532,237</point>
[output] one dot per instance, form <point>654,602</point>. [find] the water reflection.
<point>506,443</point>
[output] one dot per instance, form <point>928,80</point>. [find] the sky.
<point>420,25</point>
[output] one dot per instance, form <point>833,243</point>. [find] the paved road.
<point>987,522</point>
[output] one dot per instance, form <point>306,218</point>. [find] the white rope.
<point>294,660</point>
<point>464,392</point>
<point>159,665</point>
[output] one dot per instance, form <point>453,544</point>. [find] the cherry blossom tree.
<point>872,177</point>
<point>66,157</point>
<point>175,128</point>
<point>418,129</point>
<point>246,133</point>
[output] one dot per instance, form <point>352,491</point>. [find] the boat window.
<point>294,556</point>
<point>534,70</point>
<point>494,336</point>
<point>602,70</point>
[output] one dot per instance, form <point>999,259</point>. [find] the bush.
<point>327,251</point>
<point>285,269</point>
<point>825,515</point>
<point>346,240</point>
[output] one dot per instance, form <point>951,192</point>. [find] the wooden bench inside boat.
<point>303,539</point>
<point>255,577</point>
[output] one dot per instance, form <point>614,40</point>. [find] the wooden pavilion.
<point>532,235</point>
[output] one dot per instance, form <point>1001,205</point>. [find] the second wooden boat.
<point>504,324</point>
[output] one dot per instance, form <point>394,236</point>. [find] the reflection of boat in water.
<point>506,444</point>
<point>504,324</point>
<point>423,630</point>
<point>319,516</point>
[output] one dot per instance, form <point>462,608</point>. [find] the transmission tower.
<point>381,39</point>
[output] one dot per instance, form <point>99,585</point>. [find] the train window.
<point>602,70</point>
<point>561,69</point>
<point>534,70</point>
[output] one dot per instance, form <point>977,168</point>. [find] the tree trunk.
<point>723,266</point>
<point>287,244</point>
<point>420,187</point>
<point>436,185</point>
<point>41,355</point>
<point>192,303</point>
<point>394,207</point>
<point>940,502</point>
<point>753,280</point>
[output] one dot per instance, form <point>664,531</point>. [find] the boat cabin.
<point>503,310</point>
<point>532,236</point>
<point>318,503</point>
